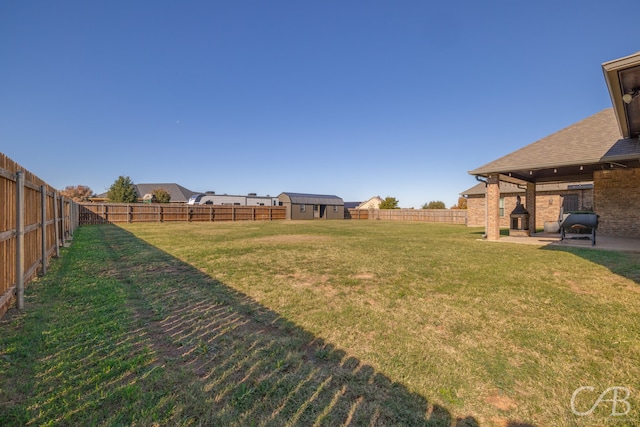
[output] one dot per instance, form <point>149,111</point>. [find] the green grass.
<point>326,323</point>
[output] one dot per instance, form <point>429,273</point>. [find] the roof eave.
<point>611,70</point>
<point>539,166</point>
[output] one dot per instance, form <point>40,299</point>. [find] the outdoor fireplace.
<point>519,224</point>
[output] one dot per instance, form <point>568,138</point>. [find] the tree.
<point>122,191</point>
<point>78,193</point>
<point>437,204</point>
<point>462,203</point>
<point>389,203</point>
<point>160,195</point>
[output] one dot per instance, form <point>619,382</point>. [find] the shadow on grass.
<point>626,264</point>
<point>156,341</point>
<point>481,233</point>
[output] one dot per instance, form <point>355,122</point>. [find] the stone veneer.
<point>617,202</point>
<point>548,204</point>
<point>493,196</point>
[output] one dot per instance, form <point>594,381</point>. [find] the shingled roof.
<point>313,199</point>
<point>179,194</point>
<point>577,148</point>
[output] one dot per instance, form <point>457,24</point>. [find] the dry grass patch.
<point>291,238</point>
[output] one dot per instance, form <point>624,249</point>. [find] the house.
<point>603,148</point>
<point>372,203</point>
<point>251,199</point>
<point>178,193</point>
<point>552,199</point>
<point>312,206</point>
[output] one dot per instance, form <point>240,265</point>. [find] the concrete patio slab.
<point>553,239</point>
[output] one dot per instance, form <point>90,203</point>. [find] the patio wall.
<point>617,201</point>
<point>548,206</point>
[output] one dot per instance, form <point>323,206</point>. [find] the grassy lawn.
<point>321,323</point>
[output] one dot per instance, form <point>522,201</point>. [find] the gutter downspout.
<point>486,206</point>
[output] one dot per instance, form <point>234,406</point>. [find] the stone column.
<point>493,207</point>
<point>531,205</point>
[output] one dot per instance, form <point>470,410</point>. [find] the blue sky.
<point>353,98</point>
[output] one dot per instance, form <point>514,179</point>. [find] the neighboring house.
<point>252,199</point>
<point>312,206</point>
<point>551,198</point>
<point>178,193</point>
<point>603,149</point>
<point>372,203</point>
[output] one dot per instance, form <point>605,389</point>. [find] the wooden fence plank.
<point>38,221</point>
<point>448,216</point>
<point>104,213</point>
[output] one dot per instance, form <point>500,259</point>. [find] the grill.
<point>579,225</point>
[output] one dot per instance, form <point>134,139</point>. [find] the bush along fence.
<point>105,213</point>
<point>34,222</point>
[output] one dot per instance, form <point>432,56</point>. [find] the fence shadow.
<point>230,360</point>
<point>254,363</point>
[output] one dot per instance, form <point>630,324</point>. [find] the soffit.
<point>623,77</point>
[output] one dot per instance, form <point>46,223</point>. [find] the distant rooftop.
<point>313,199</point>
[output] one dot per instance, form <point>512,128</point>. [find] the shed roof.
<point>313,199</point>
<point>579,149</point>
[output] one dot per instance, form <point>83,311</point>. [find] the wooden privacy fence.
<point>356,214</point>
<point>449,216</point>
<point>34,223</point>
<point>105,213</point>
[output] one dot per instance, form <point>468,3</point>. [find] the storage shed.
<point>312,206</point>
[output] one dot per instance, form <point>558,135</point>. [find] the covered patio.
<point>603,148</point>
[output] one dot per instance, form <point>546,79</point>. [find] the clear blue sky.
<point>354,98</point>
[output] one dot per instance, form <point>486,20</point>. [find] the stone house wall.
<point>617,202</point>
<point>548,206</point>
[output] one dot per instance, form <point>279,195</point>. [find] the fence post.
<point>70,208</point>
<point>56,226</point>
<point>65,223</point>
<point>43,198</point>
<point>20,239</point>
<point>72,216</point>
